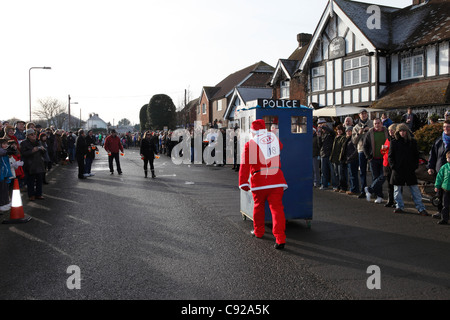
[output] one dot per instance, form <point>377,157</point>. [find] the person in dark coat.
<point>403,159</point>
<point>326,139</point>
<point>80,152</point>
<point>90,155</point>
<point>437,159</point>
<point>148,151</point>
<point>411,120</point>
<point>34,167</point>
<point>349,156</point>
<point>316,159</point>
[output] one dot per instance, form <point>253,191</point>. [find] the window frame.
<point>408,64</point>
<point>353,69</point>
<point>318,79</point>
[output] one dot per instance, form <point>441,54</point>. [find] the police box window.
<point>298,124</point>
<point>271,120</point>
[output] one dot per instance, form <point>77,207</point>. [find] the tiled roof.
<point>299,53</point>
<point>226,86</point>
<point>415,94</point>
<point>412,26</point>
<point>421,25</point>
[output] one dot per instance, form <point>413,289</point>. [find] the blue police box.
<point>294,122</point>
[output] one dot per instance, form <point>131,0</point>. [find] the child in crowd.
<point>443,182</point>
<point>5,176</point>
<point>15,164</point>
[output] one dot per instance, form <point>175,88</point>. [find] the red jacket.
<point>263,168</point>
<point>113,144</point>
<point>385,153</point>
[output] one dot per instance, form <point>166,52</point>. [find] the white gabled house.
<point>240,97</point>
<point>378,56</point>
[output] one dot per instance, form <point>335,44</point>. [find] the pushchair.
<point>426,183</point>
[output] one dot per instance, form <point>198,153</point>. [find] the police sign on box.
<point>273,104</point>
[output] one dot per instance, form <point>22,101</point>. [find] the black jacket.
<point>90,141</point>
<point>148,148</point>
<point>404,160</point>
<point>437,155</point>
<point>80,146</point>
<point>326,140</point>
<point>33,162</point>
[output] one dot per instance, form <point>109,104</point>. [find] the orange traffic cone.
<point>16,215</point>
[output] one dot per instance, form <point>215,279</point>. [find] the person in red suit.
<point>261,162</point>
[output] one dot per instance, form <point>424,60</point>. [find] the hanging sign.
<point>337,48</point>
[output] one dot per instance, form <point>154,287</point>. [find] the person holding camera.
<point>359,134</point>
<point>32,153</point>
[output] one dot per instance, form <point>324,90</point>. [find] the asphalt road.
<point>181,237</point>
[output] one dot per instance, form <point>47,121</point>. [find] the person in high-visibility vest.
<point>261,162</point>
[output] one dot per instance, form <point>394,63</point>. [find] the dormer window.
<point>284,89</point>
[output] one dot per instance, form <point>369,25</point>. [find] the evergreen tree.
<point>161,112</point>
<point>143,118</point>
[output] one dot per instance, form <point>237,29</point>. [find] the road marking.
<point>62,199</point>
<point>78,219</point>
<point>41,221</point>
<point>33,238</point>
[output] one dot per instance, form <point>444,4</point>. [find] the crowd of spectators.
<point>342,157</point>
<point>344,154</point>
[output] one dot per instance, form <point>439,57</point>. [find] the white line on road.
<point>78,219</point>
<point>33,238</point>
<point>62,199</point>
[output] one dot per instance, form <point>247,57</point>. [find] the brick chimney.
<point>303,39</point>
<point>417,2</point>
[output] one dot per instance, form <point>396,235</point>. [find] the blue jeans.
<point>377,177</point>
<point>316,171</point>
<point>327,172</point>
<point>362,169</point>
<point>353,173</point>
<point>87,165</point>
<point>416,196</point>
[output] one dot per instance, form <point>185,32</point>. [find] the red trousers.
<point>274,197</point>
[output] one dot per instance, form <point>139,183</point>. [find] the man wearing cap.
<point>261,162</point>
<point>32,156</point>
<point>358,135</point>
<point>20,131</point>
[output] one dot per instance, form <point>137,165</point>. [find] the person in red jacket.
<point>113,146</point>
<point>261,162</point>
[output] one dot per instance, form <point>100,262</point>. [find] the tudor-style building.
<point>378,56</point>
<point>213,101</point>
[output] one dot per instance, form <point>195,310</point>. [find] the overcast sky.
<point>112,56</point>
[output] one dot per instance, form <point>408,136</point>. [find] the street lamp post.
<point>29,83</point>
<point>69,111</point>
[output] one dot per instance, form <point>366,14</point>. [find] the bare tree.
<point>124,122</point>
<point>51,110</point>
